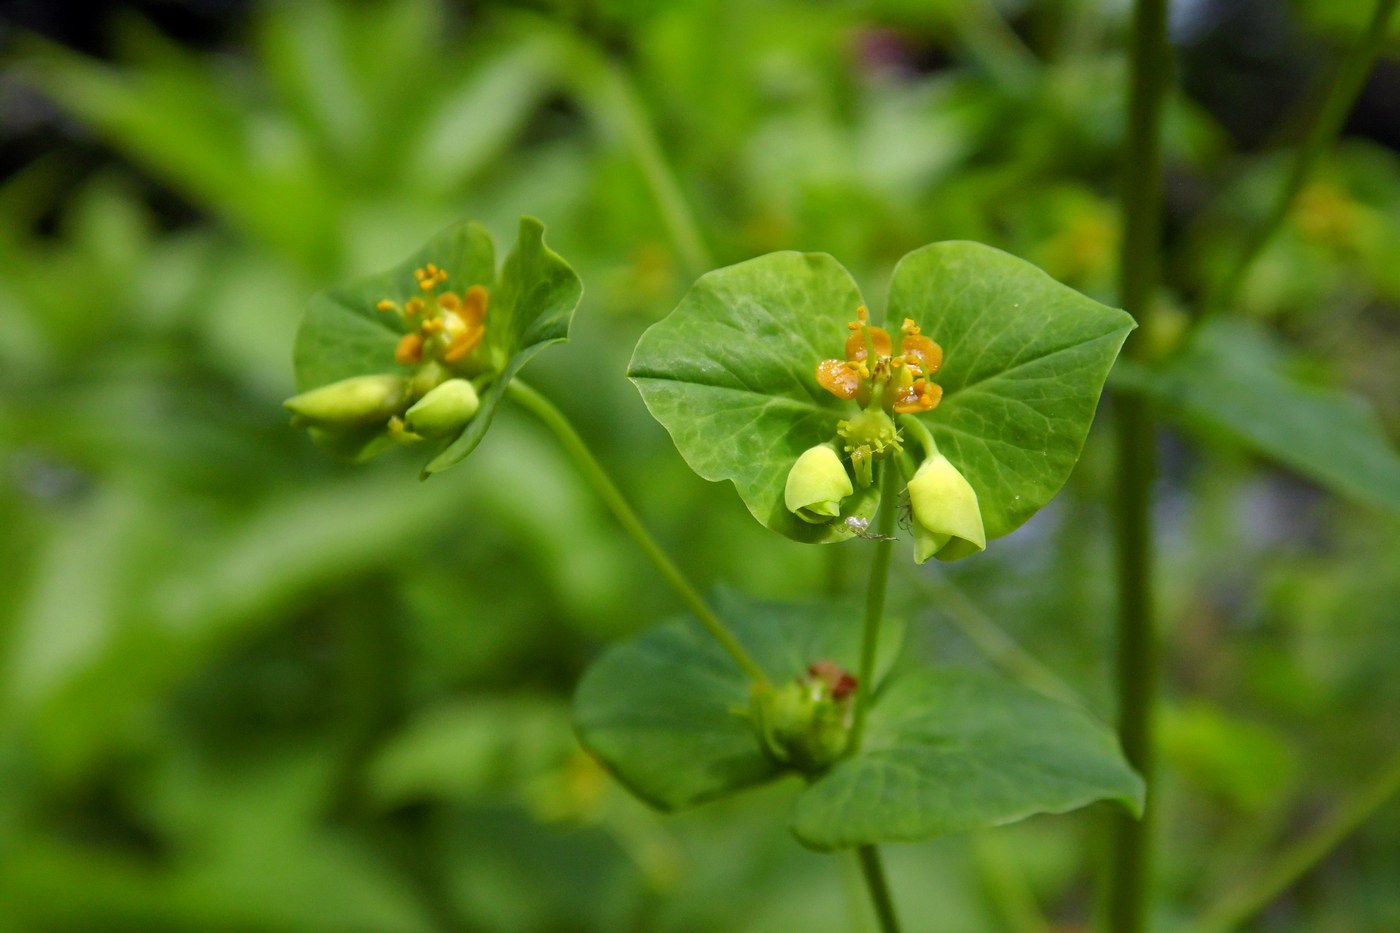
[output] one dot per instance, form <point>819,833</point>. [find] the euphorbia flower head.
<point>445,332</point>
<point>871,367</point>
<point>446,327</point>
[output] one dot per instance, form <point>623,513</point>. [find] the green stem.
<point>594,473</point>
<point>874,872</point>
<point>1136,432</point>
<point>1350,77</point>
<point>988,40</point>
<point>875,601</point>
<point>921,433</point>
<point>869,856</point>
<point>1300,858</point>
<point>617,99</point>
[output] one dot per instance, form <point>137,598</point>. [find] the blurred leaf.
<point>1233,380</point>
<point>1247,762</point>
<point>197,130</point>
<point>478,747</point>
<point>945,750</point>
<point>474,121</point>
<point>949,750</point>
<point>667,711</point>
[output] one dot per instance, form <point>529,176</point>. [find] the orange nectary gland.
<point>905,374</point>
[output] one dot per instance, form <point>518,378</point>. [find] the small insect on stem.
<point>860,528</point>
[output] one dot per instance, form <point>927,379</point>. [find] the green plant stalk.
<point>1322,135</point>
<point>1301,857</point>
<point>873,871</point>
<point>598,478</point>
<point>1129,867</point>
<point>875,601</point>
<point>868,855</point>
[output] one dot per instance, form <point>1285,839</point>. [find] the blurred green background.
<point>243,687</point>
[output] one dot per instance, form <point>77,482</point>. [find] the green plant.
<point>772,374</point>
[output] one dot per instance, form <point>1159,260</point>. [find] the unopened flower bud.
<point>358,400</point>
<point>816,484</point>
<point>802,724</point>
<point>445,410</point>
<point>947,519</point>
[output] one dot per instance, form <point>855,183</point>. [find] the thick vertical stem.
<point>1137,626</point>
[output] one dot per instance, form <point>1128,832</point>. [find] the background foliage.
<point>243,687</point>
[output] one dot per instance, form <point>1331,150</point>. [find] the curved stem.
<point>874,873</point>
<point>614,96</point>
<point>1136,429</point>
<point>921,434</point>
<point>875,601</point>
<point>594,473</point>
<point>1298,859</point>
<point>1341,94</point>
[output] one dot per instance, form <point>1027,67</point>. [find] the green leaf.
<point>1025,359</point>
<point>731,375</point>
<point>949,750</point>
<point>531,305</point>
<point>665,711</point>
<point>1233,378</point>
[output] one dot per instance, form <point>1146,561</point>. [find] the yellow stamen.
<point>413,305</point>
<point>387,305</point>
<point>463,344</point>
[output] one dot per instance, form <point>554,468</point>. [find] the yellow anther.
<point>909,327</point>
<point>427,284</point>
<point>432,269</point>
<point>449,301</point>
<point>420,274</point>
<point>409,352</point>
<point>854,325</point>
<point>413,305</point>
<point>432,326</point>
<point>387,305</point>
<point>863,313</point>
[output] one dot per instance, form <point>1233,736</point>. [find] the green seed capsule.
<point>444,410</point>
<point>947,519</point>
<point>358,400</point>
<point>816,484</point>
